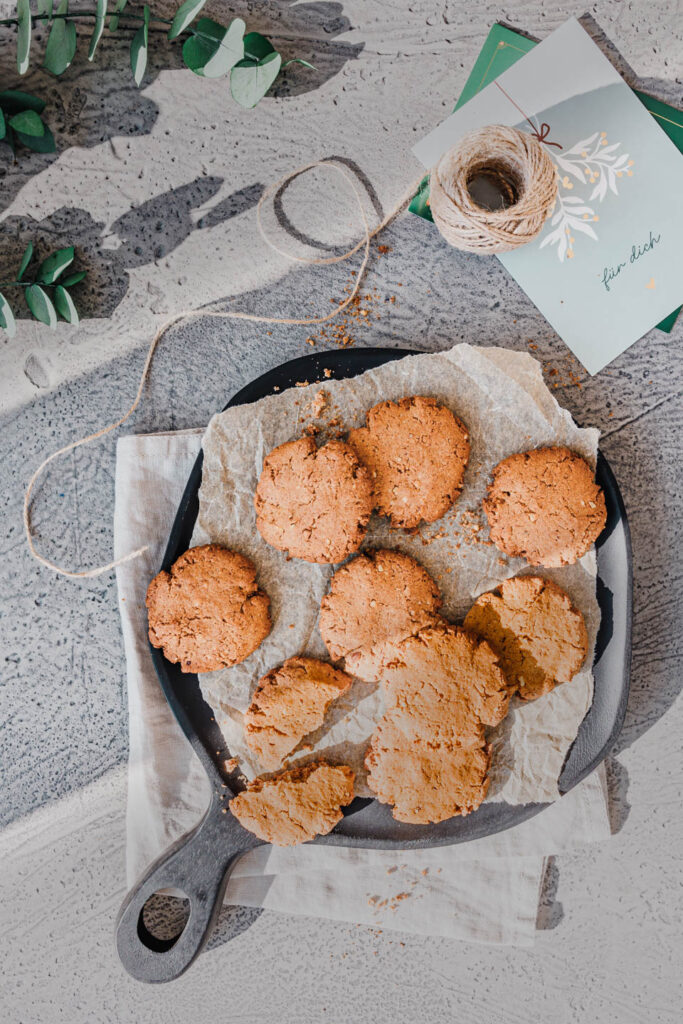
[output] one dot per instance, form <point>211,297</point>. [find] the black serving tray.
<point>200,862</point>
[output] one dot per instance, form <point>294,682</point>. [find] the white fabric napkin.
<point>482,891</point>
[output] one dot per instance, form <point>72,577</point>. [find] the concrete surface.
<point>158,188</point>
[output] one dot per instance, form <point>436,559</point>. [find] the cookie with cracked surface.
<point>425,782</point>
<point>379,596</point>
<point>314,503</point>
<point>539,636</point>
<point>289,703</point>
<point>444,685</point>
<point>296,804</point>
<point>544,505</point>
<point>417,452</point>
<point>208,612</point>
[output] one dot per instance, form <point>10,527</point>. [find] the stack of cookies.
<point>444,686</point>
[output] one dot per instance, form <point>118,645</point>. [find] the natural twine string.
<point>522,170</point>
<point>364,243</point>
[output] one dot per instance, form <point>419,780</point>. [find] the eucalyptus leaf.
<point>25,260</point>
<point>38,143</point>
<point>61,43</point>
<point>212,50</point>
<point>73,279</point>
<point>23,35</point>
<point>3,126</point>
<point>114,20</point>
<point>65,305</point>
<point>138,48</point>
<point>257,46</point>
<point>184,15</point>
<point>14,100</point>
<point>97,31</point>
<point>50,269</point>
<point>45,7</point>
<point>40,304</point>
<point>7,320</point>
<point>28,123</point>
<point>249,82</point>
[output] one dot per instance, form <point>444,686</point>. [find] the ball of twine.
<point>519,167</point>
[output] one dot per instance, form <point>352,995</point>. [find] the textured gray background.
<point>158,189</point>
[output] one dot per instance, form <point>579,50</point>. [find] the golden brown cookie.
<point>444,684</point>
<point>295,805</point>
<point>417,451</point>
<point>379,596</point>
<point>290,702</point>
<point>544,505</point>
<point>313,502</point>
<point>537,633</point>
<point>425,782</point>
<point>208,611</point>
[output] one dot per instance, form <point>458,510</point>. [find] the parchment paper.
<point>501,397</point>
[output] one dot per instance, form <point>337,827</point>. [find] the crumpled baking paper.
<point>501,396</point>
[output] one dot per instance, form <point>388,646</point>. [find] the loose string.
<point>364,243</point>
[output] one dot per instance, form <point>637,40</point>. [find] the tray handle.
<point>199,864</point>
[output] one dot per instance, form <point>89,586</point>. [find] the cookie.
<point>425,782</point>
<point>444,684</point>
<point>429,756</point>
<point>295,805</point>
<point>288,703</point>
<point>417,451</point>
<point>538,635</point>
<point>379,596</point>
<point>208,611</point>
<point>545,506</point>
<point>314,503</point>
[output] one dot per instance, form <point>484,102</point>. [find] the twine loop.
<point>521,170</point>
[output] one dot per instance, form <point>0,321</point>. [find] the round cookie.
<point>296,804</point>
<point>208,611</point>
<point>425,782</point>
<point>539,636</point>
<point>289,703</point>
<point>544,505</point>
<point>378,596</point>
<point>313,502</point>
<point>417,451</point>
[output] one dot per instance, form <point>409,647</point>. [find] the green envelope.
<point>502,49</point>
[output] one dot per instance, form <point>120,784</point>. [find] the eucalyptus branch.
<point>47,294</point>
<point>209,49</point>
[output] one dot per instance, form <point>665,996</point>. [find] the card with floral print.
<point>606,267</point>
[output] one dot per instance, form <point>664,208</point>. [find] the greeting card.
<point>606,267</point>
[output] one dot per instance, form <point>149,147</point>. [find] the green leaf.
<point>65,305</point>
<point>7,320</point>
<point>73,279</point>
<point>184,15</point>
<point>114,20</point>
<point>45,7</point>
<point>25,260</point>
<point>13,100</point>
<point>3,126</point>
<point>40,305</point>
<point>61,43</point>
<point>213,49</point>
<point>257,46</point>
<point>28,123</point>
<point>38,143</point>
<point>23,35</point>
<point>299,60</point>
<point>50,269</point>
<point>138,48</point>
<point>249,82</point>
<point>97,31</point>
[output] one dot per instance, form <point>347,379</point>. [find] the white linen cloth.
<point>483,891</point>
